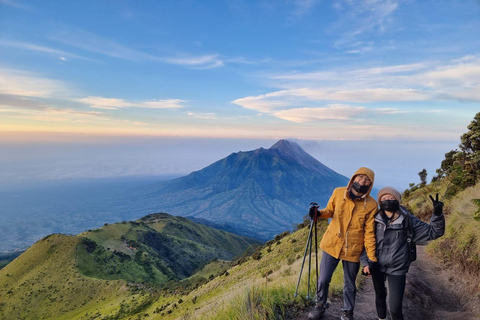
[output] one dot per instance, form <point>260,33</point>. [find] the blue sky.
<point>242,69</point>
<point>304,69</point>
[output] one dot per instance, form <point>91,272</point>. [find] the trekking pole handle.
<point>314,206</point>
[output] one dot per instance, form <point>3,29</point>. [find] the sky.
<point>359,75</point>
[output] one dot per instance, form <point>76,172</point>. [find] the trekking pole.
<point>310,254</point>
<point>309,265</point>
<point>304,255</point>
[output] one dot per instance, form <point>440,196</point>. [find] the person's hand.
<point>437,206</point>
<point>313,212</point>
<point>366,271</point>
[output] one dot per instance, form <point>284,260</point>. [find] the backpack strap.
<point>412,248</point>
<point>409,227</point>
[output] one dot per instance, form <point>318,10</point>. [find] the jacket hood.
<point>366,171</point>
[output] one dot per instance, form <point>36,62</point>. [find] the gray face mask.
<point>360,189</point>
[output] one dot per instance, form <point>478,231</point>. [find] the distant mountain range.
<point>259,193</point>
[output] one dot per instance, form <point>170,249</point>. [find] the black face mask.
<point>360,189</point>
<point>390,205</point>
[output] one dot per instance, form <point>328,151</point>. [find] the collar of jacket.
<point>364,197</point>
<point>397,223</point>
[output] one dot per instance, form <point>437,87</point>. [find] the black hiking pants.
<point>396,289</point>
<point>328,264</point>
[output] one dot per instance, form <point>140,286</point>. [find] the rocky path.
<point>433,292</point>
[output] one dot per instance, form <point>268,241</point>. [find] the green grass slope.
<point>113,272</point>
<point>43,283</point>
<point>459,247</point>
<point>461,243</point>
<point>156,249</point>
<point>261,286</point>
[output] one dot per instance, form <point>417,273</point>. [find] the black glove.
<point>437,206</point>
<point>372,265</point>
<point>312,212</point>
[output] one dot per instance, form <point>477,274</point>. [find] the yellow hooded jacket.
<point>352,226</point>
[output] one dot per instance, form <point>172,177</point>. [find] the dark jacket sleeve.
<point>424,232</point>
<point>363,258</point>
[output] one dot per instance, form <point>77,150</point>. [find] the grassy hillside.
<point>261,286</point>
<point>113,272</point>
<point>44,282</point>
<point>459,248</point>
<point>155,249</point>
<point>461,243</point>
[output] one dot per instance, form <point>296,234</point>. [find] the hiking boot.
<point>347,315</point>
<point>317,312</point>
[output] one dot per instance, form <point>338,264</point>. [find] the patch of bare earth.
<point>433,292</point>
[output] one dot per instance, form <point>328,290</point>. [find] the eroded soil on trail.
<point>433,292</point>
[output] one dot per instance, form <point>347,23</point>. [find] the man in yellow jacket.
<point>351,229</point>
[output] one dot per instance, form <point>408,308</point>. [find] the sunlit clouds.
<point>25,83</point>
<point>419,82</point>
<point>113,103</point>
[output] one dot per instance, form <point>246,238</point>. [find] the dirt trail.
<point>433,292</point>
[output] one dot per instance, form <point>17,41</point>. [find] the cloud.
<point>114,103</point>
<point>265,103</point>
<point>205,115</point>
<point>94,43</point>
<point>285,99</point>
<point>40,111</point>
<point>37,48</point>
<point>361,17</point>
<point>332,112</point>
<point>203,62</point>
<point>23,83</point>
<point>304,95</point>
<point>303,7</point>
<point>15,4</point>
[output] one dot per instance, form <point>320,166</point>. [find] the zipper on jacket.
<point>346,243</point>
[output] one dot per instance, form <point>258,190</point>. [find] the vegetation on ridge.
<point>459,180</point>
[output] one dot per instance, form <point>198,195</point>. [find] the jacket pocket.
<point>355,244</point>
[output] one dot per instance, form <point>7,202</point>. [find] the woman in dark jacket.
<point>395,230</point>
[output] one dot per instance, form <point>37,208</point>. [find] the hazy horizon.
<point>396,163</point>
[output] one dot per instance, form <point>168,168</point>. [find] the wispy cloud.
<point>310,95</point>
<point>114,103</point>
<point>38,113</point>
<point>42,111</point>
<point>32,47</point>
<point>16,4</point>
<point>303,7</point>
<point>203,62</point>
<point>332,112</point>
<point>23,83</point>
<point>111,48</point>
<point>204,115</point>
<point>361,17</point>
